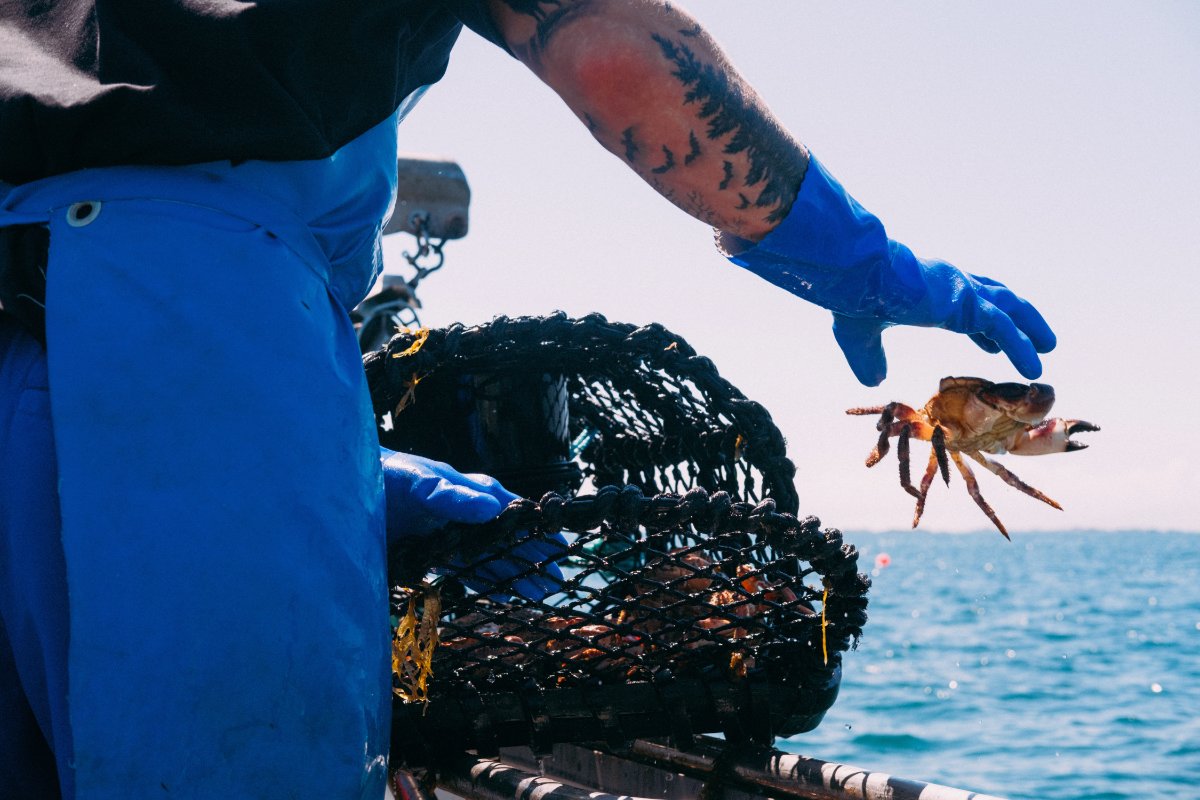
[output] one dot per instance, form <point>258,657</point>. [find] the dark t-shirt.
<point>87,83</point>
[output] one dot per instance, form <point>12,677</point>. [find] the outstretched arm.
<point>655,90</point>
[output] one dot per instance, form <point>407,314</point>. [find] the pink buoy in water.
<point>882,560</point>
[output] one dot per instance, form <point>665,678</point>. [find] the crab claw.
<point>1078,426</point>
<point>1051,436</point>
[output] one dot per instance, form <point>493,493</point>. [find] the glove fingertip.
<point>482,508</point>
<point>869,365</point>
<point>861,342</point>
<point>489,485</point>
<point>1030,366</point>
<point>533,588</point>
<point>552,569</point>
<point>1037,332</point>
<point>873,379</point>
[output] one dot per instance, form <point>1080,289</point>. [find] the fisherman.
<point>192,500</point>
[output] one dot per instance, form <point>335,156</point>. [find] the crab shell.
<point>979,415</point>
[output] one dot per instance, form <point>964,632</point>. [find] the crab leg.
<point>1050,436</point>
<point>865,411</point>
<point>973,490</point>
<point>892,419</point>
<point>927,481</point>
<point>1013,480</point>
<point>884,426</point>
<point>902,457</point>
<point>938,440</point>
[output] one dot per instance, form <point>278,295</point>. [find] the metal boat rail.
<point>712,770</point>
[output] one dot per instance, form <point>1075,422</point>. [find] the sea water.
<point>1057,665</point>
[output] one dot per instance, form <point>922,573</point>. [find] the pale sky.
<point>1051,146</point>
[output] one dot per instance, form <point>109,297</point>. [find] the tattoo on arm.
<point>668,164</point>
<point>631,147</point>
<point>776,164</point>
<point>694,150</point>
<point>666,191</point>
<point>728,168</point>
<point>701,208</point>
<point>533,8</point>
<point>549,16</point>
<point>763,167</point>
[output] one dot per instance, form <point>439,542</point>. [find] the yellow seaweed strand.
<point>410,392</point>
<point>420,335</point>
<point>824,624</point>
<point>414,644</point>
<point>402,643</point>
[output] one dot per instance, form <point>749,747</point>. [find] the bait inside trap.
<point>690,598</point>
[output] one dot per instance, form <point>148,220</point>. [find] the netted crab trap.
<point>683,596</point>
<point>542,403</point>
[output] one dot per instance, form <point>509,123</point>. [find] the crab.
<point>973,416</point>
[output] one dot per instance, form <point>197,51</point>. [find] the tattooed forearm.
<point>776,165</point>
<point>654,89</point>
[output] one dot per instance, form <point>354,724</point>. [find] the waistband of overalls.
<point>37,202</point>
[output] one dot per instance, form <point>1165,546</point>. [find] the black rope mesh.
<point>644,408</point>
<point>691,598</point>
<point>687,581</point>
<point>696,590</point>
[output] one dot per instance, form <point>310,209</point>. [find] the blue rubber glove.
<point>424,495</point>
<point>831,251</point>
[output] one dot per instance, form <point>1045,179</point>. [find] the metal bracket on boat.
<point>432,202</point>
<point>432,198</point>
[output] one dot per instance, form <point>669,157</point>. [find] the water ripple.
<point>1061,666</point>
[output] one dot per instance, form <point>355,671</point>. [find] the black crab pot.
<point>683,596</point>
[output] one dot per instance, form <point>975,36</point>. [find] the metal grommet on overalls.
<point>80,214</point>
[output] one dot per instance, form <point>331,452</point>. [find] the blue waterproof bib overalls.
<point>212,620</point>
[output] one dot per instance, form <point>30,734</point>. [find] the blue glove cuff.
<point>834,253</point>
